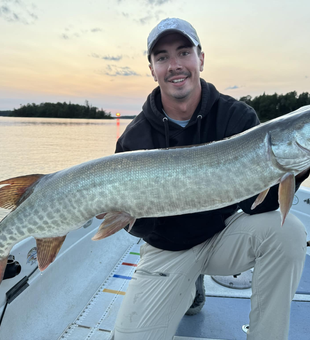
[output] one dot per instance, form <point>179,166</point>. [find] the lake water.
<point>46,145</point>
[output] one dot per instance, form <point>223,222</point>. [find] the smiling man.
<point>168,282</point>
<point>176,65</point>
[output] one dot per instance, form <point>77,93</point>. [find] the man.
<point>186,110</point>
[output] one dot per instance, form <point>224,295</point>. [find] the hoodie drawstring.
<point>166,124</point>
<point>199,118</point>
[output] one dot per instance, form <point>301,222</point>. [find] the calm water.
<point>46,145</point>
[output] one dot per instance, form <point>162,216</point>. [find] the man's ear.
<point>202,60</point>
<point>152,72</point>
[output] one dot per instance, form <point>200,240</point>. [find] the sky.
<point>95,50</point>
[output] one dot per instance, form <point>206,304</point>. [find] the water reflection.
<point>7,121</point>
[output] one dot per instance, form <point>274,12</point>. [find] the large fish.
<point>153,183</point>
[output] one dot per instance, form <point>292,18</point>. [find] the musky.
<point>77,50</point>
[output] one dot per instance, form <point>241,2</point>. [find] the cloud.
<point>18,11</point>
<point>152,10</point>
<point>232,87</point>
<point>106,57</point>
<point>157,2</point>
<point>153,15</point>
<point>70,34</point>
<point>145,20</point>
<point>150,2</point>
<point>95,30</point>
<point>114,71</point>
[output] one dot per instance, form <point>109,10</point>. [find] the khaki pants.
<point>163,286</point>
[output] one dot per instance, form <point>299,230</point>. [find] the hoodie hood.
<point>152,108</point>
<point>153,113</point>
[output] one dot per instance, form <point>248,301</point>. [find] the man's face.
<point>176,66</point>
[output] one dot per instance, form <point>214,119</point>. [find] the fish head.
<point>303,130</point>
<point>290,140</point>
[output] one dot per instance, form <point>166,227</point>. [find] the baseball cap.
<point>171,25</point>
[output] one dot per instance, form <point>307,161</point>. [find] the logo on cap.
<point>167,24</point>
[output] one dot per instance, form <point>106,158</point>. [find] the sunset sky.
<point>77,50</point>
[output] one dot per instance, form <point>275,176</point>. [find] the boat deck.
<point>215,321</point>
<point>78,296</point>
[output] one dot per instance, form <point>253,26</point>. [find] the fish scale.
<point>154,183</point>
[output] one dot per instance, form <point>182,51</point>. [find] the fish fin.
<point>113,222</point>
<point>47,250</point>
<point>259,199</point>
<point>14,188</point>
<point>101,216</point>
<point>286,194</point>
<point>3,263</point>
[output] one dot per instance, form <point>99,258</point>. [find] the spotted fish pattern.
<point>152,183</point>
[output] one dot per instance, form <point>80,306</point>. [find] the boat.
<point>78,296</point>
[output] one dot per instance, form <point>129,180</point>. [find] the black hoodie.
<point>217,116</point>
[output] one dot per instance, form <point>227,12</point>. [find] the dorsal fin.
<point>14,188</point>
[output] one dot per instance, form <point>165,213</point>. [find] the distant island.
<point>125,117</point>
<point>5,113</point>
<point>59,110</point>
<point>266,106</point>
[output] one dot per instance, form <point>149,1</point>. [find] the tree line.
<point>266,106</point>
<point>272,106</point>
<point>61,110</point>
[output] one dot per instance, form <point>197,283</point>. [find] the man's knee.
<point>288,240</point>
<point>296,237</point>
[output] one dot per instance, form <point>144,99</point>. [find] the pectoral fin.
<point>259,199</point>
<point>113,222</point>
<point>47,250</point>
<point>12,190</point>
<point>286,194</point>
<point>101,216</point>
